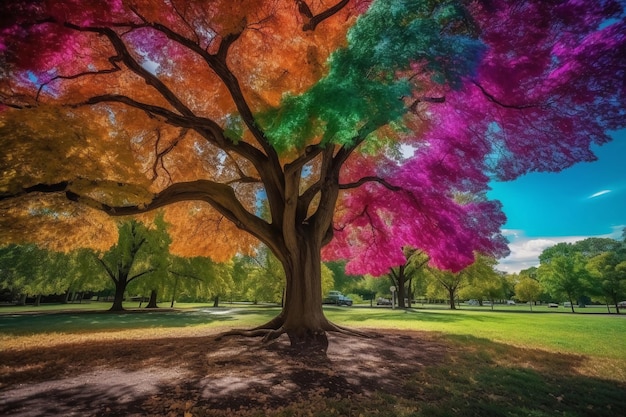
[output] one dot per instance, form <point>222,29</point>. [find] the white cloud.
<point>525,251</point>
<point>599,193</point>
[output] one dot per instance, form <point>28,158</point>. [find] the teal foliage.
<point>369,77</point>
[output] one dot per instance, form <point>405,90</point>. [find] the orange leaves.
<point>47,144</point>
<point>274,56</point>
<point>55,223</point>
<point>198,230</point>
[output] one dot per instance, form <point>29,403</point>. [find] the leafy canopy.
<point>131,105</point>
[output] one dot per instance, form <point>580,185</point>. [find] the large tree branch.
<point>367,179</point>
<point>134,277</point>
<point>207,128</point>
<point>269,168</point>
<point>313,20</point>
<point>499,102</point>
<point>217,62</point>
<point>134,66</point>
<point>219,196</point>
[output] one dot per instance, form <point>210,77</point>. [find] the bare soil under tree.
<point>194,373</point>
<point>203,375</point>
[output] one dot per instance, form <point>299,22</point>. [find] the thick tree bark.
<point>401,286</point>
<point>153,300</point>
<point>304,320</point>
<point>22,300</point>
<point>451,292</point>
<point>120,289</point>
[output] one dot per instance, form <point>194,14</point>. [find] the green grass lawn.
<point>598,335</point>
<point>507,362</point>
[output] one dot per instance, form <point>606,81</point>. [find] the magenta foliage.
<point>375,222</point>
<point>551,83</point>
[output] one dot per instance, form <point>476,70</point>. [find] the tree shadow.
<point>422,373</point>
<point>93,321</point>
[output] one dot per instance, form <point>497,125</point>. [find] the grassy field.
<point>432,362</point>
<point>598,335</point>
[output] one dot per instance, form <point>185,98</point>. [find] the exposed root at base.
<point>351,332</point>
<point>271,331</point>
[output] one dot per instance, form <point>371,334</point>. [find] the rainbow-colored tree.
<point>208,107</point>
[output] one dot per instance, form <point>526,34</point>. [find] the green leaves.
<point>370,77</point>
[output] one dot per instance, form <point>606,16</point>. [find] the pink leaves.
<point>551,83</point>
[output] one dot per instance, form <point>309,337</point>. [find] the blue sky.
<point>588,199</point>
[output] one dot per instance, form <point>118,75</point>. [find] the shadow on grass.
<point>94,321</point>
<point>403,374</point>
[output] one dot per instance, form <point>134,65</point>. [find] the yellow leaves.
<point>53,222</point>
<point>112,193</point>
<point>48,144</point>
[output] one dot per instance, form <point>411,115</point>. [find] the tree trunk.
<point>153,300</point>
<point>302,317</point>
<point>120,289</point>
<point>22,300</point>
<point>451,298</point>
<point>216,301</point>
<point>401,290</point>
<point>37,300</point>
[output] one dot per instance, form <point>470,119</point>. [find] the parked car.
<point>383,301</point>
<point>553,305</point>
<point>510,302</point>
<point>337,298</point>
<point>621,304</point>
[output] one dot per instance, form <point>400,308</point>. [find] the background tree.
<point>483,281</point>
<point>343,282</point>
<point>565,275</point>
<point>29,270</point>
<point>608,270</point>
<point>198,279</point>
<point>402,276</point>
<point>266,278</point>
<point>451,282</point>
<point>528,289</point>
<point>139,252</point>
<point>156,103</point>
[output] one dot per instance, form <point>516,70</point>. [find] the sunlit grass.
<point>601,337</point>
<point>498,363</point>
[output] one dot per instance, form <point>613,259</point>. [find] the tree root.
<point>335,328</point>
<point>274,329</point>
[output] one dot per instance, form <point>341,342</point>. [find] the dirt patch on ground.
<point>204,375</point>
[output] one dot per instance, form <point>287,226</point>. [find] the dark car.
<point>337,298</point>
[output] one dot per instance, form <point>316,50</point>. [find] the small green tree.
<point>565,276</point>
<point>608,271</point>
<point>140,251</point>
<point>484,282</point>
<point>528,289</point>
